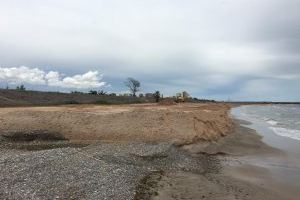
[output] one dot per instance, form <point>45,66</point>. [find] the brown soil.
<point>182,123</point>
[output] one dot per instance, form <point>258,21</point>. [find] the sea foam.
<point>272,122</point>
<point>290,133</point>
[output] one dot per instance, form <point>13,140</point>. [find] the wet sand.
<point>239,176</point>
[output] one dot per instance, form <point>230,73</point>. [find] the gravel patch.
<point>97,171</point>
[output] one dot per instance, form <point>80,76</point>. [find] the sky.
<point>216,49</point>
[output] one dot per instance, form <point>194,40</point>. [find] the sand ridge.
<point>181,123</point>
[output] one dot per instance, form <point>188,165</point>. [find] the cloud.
<point>268,88</point>
<point>91,79</point>
<point>22,74</point>
<point>35,76</point>
<point>205,47</point>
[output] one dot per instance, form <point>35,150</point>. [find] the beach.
<point>146,151</point>
<point>150,100</point>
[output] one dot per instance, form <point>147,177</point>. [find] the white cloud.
<point>22,74</point>
<point>91,79</point>
<point>35,76</point>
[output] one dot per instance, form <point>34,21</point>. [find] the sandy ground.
<point>184,123</point>
<point>187,151</point>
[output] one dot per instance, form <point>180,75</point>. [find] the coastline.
<point>265,166</point>
<point>238,176</point>
<point>223,169</point>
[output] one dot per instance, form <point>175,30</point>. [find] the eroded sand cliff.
<point>183,123</point>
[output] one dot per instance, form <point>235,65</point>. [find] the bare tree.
<point>101,92</point>
<point>133,85</point>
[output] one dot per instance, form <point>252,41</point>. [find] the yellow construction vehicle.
<point>182,96</point>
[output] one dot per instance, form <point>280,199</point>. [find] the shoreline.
<point>283,167</point>
<point>212,170</point>
<point>268,167</point>
<point>235,179</point>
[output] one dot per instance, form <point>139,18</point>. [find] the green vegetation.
<point>21,88</point>
<point>93,92</point>
<point>156,96</point>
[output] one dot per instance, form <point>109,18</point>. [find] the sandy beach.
<point>150,100</point>
<point>148,151</point>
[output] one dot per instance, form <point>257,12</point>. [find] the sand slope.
<point>183,123</point>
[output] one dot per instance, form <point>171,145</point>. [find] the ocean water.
<point>282,120</point>
<point>279,126</point>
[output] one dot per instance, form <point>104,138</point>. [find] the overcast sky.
<point>221,49</point>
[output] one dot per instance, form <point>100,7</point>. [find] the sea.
<point>278,124</point>
<point>283,120</point>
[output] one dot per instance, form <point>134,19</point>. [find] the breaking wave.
<point>272,122</point>
<point>290,133</point>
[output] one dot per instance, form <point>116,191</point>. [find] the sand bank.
<point>187,151</point>
<point>183,123</point>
